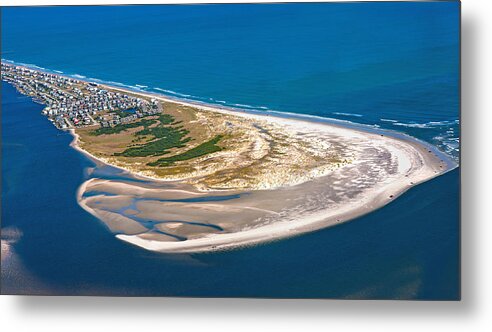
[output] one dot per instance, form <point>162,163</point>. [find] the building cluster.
<point>74,103</point>
<point>143,109</point>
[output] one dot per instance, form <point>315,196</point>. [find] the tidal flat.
<point>243,178</point>
<point>284,195</point>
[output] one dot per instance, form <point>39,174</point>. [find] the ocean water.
<point>393,65</point>
<point>388,65</point>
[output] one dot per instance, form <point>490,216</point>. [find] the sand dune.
<point>382,168</point>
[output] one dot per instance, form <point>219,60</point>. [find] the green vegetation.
<point>121,127</point>
<point>122,113</point>
<point>200,150</point>
<point>165,138</point>
<point>157,137</point>
<point>166,119</point>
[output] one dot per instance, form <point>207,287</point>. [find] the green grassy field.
<point>121,127</point>
<point>164,137</point>
<point>201,150</point>
<point>157,137</point>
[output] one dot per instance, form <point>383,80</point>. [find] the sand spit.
<point>176,217</point>
<point>319,175</point>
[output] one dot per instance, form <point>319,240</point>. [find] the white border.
<point>473,313</point>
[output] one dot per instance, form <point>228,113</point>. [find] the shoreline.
<point>421,162</point>
<point>287,119</point>
<point>281,230</point>
<point>261,111</point>
<point>279,116</point>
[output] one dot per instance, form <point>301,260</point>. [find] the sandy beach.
<point>274,177</point>
<point>176,217</point>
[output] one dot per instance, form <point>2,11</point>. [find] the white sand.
<point>410,163</point>
<point>414,165</point>
<point>376,198</point>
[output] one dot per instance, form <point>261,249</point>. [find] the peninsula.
<point>213,178</point>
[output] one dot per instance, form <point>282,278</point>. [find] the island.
<point>205,178</point>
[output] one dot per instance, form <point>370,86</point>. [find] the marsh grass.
<point>198,151</point>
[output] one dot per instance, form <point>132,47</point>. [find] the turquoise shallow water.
<point>388,65</point>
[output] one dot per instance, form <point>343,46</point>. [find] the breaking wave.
<point>348,114</point>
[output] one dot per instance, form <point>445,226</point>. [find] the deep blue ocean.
<point>388,65</point>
